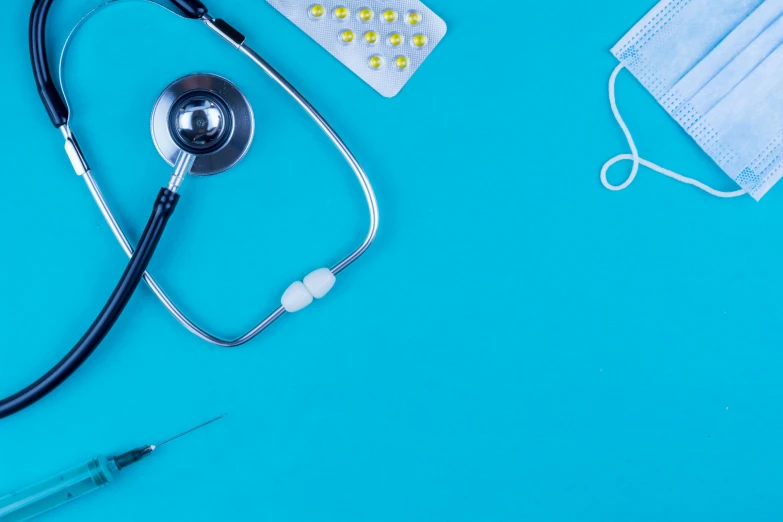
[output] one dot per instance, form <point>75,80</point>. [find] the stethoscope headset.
<point>202,125</point>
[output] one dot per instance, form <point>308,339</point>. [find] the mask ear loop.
<point>634,155</point>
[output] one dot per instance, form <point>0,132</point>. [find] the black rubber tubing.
<point>55,106</point>
<point>164,207</point>
<point>50,96</point>
<point>191,8</point>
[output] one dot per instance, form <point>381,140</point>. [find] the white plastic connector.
<point>320,282</point>
<point>296,297</point>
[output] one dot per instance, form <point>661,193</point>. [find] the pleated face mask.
<point>716,66</point>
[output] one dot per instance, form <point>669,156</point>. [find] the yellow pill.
<point>376,62</point>
<point>317,11</point>
<point>419,40</point>
<point>396,39</point>
<point>402,63</point>
<point>365,15</point>
<point>347,36</point>
<point>414,18</point>
<point>341,13</point>
<point>390,15</point>
<point>371,37</point>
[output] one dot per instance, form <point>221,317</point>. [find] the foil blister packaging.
<point>383,42</point>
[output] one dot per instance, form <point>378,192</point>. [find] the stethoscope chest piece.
<point>204,115</point>
<point>201,124</point>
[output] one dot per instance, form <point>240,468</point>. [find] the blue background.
<point>519,344</point>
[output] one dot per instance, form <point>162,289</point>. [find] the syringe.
<point>73,483</point>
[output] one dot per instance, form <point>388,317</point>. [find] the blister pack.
<point>383,42</point>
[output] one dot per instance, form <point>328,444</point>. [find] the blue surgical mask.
<point>716,66</point>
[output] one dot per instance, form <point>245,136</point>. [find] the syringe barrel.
<point>26,503</point>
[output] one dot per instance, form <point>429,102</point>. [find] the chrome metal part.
<point>225,30</point>
<point>181,169</point>
<point>199,123</point>
<point>205,115</point>
<point>74,152</point>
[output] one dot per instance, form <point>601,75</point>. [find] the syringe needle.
<point>191,430</point>
<point>133,456</point>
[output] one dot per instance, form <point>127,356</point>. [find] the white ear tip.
<point>296,297</point>
<point>320,282</point>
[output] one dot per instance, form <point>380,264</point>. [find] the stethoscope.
<point>201,125</point>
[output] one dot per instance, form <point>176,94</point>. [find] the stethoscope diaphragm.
<point>205,115</point>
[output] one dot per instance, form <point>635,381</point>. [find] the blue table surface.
<point>519,344</point>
